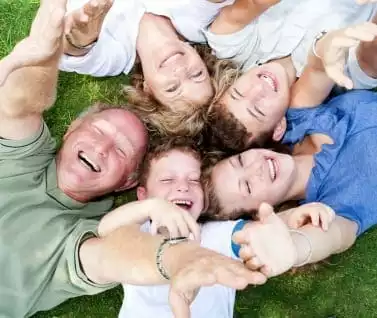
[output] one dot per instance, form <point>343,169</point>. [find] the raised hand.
<point>318,214</point>
<point>176,220</point>
<point>43,42</point>
<point>83,25</point>
<point>207,268</point>
<point>335,47</point>
<point>266,245</point>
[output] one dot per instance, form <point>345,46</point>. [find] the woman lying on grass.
<point>107,37</point>
<point>242,102</point>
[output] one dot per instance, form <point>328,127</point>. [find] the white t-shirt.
<point>287,28</point>
<point>211,302</point>
<point>115,50</point>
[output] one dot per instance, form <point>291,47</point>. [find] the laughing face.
<point>176,75</point>
<point>246,180</point>
<point>175,177</point>
<point>259,100</point>
<point>100,154</point>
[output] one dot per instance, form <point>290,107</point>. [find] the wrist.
<point>317,46</point>
<point>176,257</point>
<point>238,227</point>
<point>303,247</point>
<point>74,49</point>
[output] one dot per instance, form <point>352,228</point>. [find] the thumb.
<point>179,304</point>
<point>265,212</point>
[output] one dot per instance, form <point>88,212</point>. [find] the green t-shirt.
<point>40,230</point>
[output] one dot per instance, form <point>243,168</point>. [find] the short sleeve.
<point>217,236</point>
<point>69,280</point>
<point>40,144</point>
<point>115,50</point>
<point>238,46</point>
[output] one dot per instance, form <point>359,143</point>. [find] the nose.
<point>182,186</point>
<point>180,70</point>
<point>255,168</point>
<point>103,145</point>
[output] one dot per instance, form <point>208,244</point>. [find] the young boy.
<point>249,106</point>
<point>172,171</point>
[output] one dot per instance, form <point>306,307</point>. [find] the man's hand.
<point>207,268</point>
<point>43,43</point>
<point>83,26</point>
<point>266,245</point>
<point>335,46</point>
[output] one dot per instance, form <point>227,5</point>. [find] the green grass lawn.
<point>346,286</point>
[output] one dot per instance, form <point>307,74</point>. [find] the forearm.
<point>134,213</point>
<point>29,90</point>
<point>128,256</point>
<point>311,89</point>
<point>235,17</point>
<point>314,244</point>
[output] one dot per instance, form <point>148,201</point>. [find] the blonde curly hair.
<point>160,119</point>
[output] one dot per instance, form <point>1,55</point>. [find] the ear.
<point>146,88</point>
<point>141,193</point>
<point>280,129</point>
<point>76,123</point>
<point>130,183</point>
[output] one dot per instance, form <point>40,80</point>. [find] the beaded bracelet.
<point>160,252</point>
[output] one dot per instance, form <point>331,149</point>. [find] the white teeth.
<point>183,202</point>
<point>272,169</point>
<point>87,161</point>
<point>269,81</point>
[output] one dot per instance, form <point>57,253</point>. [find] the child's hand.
<point>317,214</point>
<point>178,221</point>
<point>335,47</point>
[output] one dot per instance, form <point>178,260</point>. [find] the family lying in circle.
<point>213,135</point>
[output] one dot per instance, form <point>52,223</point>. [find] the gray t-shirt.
<point>40,230</point>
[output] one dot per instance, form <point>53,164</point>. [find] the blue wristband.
<point>238,227</point>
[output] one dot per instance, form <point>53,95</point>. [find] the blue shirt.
<point>345,174</point>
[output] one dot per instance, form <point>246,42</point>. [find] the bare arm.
<point>28,75</point>
<point>340,236</point>
<point>134,213</point>
<point>269,245</point>
<point>129,256</point>
<point>162,213</point>
<point>235,17</point>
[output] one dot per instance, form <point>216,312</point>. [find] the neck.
<point>154,31</point>
<point>287,63</point>
<point>80,197</point>
<point>304,166</point>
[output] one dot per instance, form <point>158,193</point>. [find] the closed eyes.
<point>236,94</point>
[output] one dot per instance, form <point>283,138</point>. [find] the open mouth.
<point>172,56</point>
<point>87,162</point>
<point>184,204</point>
<point>270,80</point>
<point>272,168</point>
